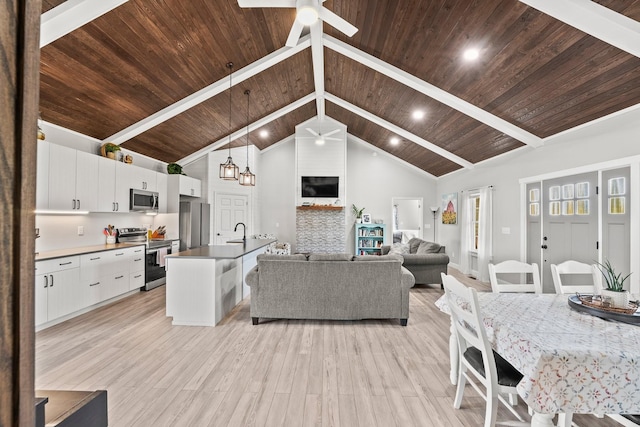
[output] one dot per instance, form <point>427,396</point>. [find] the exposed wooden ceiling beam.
<point>253,126</point>
<point>207,92</point>
<point>432,91</point>
<point>598,21</point>
<point>317,57</point>
<point>70,15</point>
<point>390,156</point>
<point>398,130</point>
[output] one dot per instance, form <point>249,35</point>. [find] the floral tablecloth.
<point>571,361</point>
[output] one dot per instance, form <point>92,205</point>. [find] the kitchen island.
<point>206,283</point>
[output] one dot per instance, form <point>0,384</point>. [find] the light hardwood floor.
<point>279,373</point>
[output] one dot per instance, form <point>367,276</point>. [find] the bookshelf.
<point>369,238</point>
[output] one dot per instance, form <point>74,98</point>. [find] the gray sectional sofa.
<point>329,286</point>
<point>425,260</point>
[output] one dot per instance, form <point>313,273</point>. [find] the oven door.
<point>155,266</point>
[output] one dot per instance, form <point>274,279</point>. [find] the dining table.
<point>571,362</point>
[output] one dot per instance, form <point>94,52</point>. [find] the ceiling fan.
<point>320,139</point>
<point>308,12</point>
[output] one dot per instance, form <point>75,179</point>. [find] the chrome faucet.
<point>244,230</point>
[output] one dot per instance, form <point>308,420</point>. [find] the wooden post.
<point>19,89</point>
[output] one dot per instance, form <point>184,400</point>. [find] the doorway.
<point>406,219</point>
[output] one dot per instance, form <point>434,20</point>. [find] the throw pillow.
<point>399,248</point>
<point>428,248</point>
<point>414,243</point>
<point>329,257</point>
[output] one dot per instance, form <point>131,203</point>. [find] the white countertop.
<point>61,253</point>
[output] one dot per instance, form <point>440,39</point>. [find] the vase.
<point>111,155</point>
<point>618,299</point>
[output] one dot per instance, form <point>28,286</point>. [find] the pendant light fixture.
<point>246,177</point>
<point>228,170</point>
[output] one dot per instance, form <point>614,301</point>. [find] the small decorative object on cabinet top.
<point>366,218</point>
<point>175,169</point>
<point>109,149</point>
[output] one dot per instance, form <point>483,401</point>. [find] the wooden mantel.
<point>320,208</point>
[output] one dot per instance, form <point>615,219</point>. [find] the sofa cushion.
<point>428,248</point>
<point>274,257</point>
<point>414,244</point>
<point>390,257</point>
<point>424,259</point>
<point>399,248</point>
<point>329,257</point>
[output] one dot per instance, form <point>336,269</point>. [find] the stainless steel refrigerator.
<point>194,223</point>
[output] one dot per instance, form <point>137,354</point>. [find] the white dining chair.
<point>512,267</point>
<point>586,274</point>
<point>476,357</point>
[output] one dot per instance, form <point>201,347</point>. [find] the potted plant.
<point>614,285</point>
<point>175,169</point>
<point>358,213</point>
<point>109,150</point>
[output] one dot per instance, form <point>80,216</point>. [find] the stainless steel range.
<point>157,250</point>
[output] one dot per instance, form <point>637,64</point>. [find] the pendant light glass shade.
<point>228,170</point>
<point>246,177</point>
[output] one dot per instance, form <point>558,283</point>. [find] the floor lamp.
<point>434,209</point>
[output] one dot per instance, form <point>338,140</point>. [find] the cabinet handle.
<point>113,206</point>
<point>65,263</point>
<point>139,275</point>
<point>119,277</point>
<point>51,285</point>
<point>78,204</point>
<point>117,206</point>
<point>46,282</point>
<point>136,260</point>
<point>93,259</point>
<point>121,253</point>
<point>94,284</point>
<point>74,204</point>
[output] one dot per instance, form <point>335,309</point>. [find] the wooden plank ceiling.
<point>534,72</point>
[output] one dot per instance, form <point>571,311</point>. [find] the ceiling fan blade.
<point>313,132</point>
<point>333,132</point>
<point>263,3</point>
<point>337,22</point>
<point>294,34</point>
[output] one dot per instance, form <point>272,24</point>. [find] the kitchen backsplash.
<point>61,231</point>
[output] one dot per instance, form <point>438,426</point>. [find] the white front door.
<point>230,210</point>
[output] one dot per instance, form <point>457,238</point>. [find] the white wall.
<point>613,138</point>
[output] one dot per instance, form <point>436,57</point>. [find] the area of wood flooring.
<point>279,373</point>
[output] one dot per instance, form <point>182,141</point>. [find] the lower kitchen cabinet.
<point>66,285</point>
<point>58,291</point>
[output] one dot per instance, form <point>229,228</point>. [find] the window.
<point>475,220</point>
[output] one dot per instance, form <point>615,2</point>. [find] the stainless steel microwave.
<point>143,201</point>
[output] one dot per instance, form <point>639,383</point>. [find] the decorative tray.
<point>587,304</point>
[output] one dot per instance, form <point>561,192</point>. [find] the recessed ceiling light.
<point>418,115</point>
<point>471,54</point>
<point>264,133</point>
<point>394,140</point>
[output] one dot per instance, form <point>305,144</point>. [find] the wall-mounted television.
<point>320,186</point>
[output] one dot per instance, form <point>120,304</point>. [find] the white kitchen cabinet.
<point>140,178</point>
<point>181,185</point>
<point>73,179</point>
<point>161,180</point>
<point>42,175</point>
<point>190,186</point>
<point>58,290</point>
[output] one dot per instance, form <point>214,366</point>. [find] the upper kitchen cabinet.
<point>42,176</point>
<point>161,180</point>
<point>113,188</point>
<point>73,179</point>
<point>181,185</point>
<point>140,178</point>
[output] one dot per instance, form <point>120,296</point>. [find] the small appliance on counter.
<point>157,250</point>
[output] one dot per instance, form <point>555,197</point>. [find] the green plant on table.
<point>615,282</point>
<point>357,212</point>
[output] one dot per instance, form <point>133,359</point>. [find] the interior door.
<point>570,222</point>
<point>230,209</point>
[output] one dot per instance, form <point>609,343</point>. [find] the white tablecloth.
<point>571,361</point>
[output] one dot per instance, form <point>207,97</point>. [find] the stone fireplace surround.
<point>320,229</point>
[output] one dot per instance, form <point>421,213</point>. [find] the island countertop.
<point>230,251</point>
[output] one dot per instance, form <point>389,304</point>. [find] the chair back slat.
<point>575,268</point>
<point>515,267</point>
